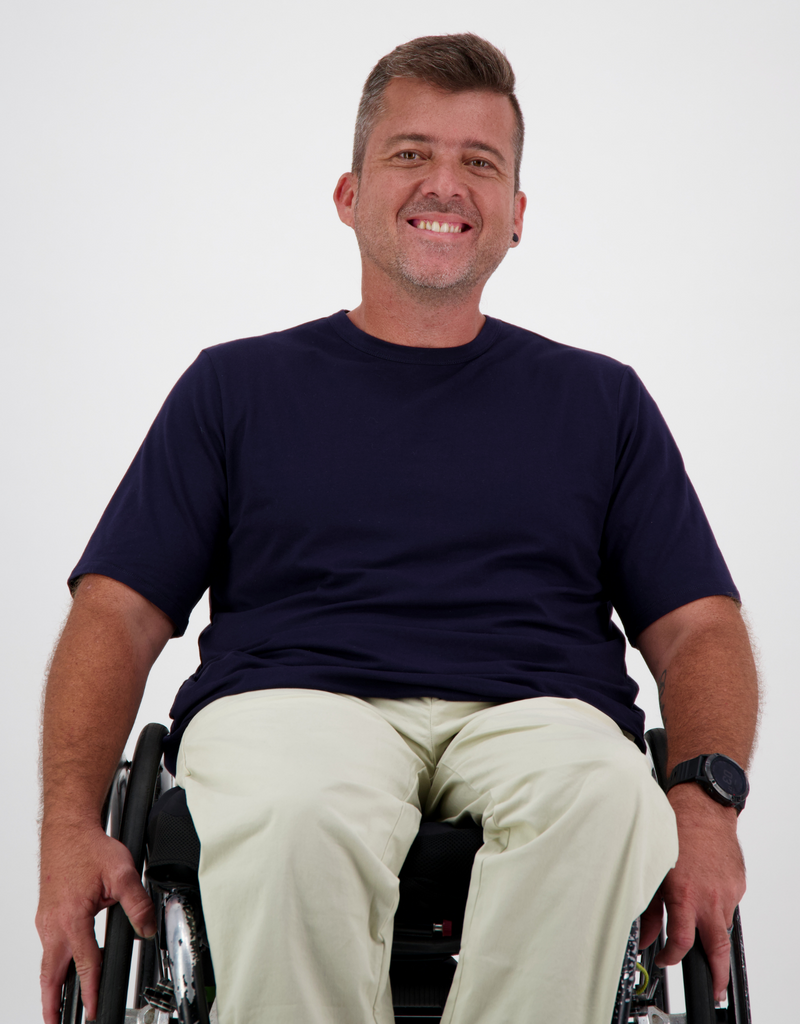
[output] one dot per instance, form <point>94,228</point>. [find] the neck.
<point>432,319</point>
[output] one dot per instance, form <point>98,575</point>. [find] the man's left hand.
<point>703,889</point>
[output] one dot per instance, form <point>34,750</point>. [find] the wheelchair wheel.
<point>738,992</point>
<point>697,987</point>
<point>118,949</point>
<point>110,815</point>
<point>700,1007</point>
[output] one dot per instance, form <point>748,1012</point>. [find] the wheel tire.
<point>118,950</point>
<point>697,987</point>
<point>738,991</point>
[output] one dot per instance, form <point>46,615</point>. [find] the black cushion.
<point>434,880</point>
<point>173,847</point>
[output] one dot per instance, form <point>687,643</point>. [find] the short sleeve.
<point>166,524</point>
<point>659,552</point>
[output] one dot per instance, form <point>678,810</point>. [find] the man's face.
<point>434,208</point>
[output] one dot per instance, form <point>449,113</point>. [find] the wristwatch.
<point>722,778</point>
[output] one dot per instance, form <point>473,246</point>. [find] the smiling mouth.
<point>441,227</point>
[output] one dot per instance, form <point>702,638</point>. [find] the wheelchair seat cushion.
<point>172,842</point>
<point>434,880</point>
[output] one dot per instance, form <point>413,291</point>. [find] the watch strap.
<point>688,771</point>
<point>697,770</point>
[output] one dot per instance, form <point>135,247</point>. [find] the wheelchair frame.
<point>171,969</point>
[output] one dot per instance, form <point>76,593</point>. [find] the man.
<point>413,521</point>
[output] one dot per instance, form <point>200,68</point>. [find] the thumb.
<point>129,892</point>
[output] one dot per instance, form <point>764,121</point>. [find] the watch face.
<point>727,775</point>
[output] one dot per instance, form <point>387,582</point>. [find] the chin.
<point>455,280</point>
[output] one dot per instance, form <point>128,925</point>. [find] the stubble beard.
<point>434,287</point>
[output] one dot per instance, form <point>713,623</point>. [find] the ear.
<point>520,202</point>
<point>344,195</point>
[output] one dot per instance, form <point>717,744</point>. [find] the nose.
<point>444,180</point>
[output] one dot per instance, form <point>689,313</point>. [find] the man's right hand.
<point>83,871</point>
<point>97,677</point>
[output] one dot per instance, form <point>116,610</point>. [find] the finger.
<point>140,912</point>
<point>131,894</point>
<point>717,944</point>
<point>88,960</point>
<point>681,925</point>
<point>51,979</point>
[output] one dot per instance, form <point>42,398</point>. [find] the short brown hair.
<point>455,63</point>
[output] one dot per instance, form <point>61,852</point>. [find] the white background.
<point>166,180</point>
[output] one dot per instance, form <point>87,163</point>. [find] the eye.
<point>408,154</point>
<point>481,164</point>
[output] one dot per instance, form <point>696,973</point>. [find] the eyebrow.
<point>467,144</point>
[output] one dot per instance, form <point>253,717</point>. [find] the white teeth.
<point>445,228</point>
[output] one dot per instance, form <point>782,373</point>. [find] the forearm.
<point>702,661</point>
<point>95,684</point>
<point>701,658</point>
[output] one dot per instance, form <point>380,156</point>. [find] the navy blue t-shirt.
<point>383,520</point>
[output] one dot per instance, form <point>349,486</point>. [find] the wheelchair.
<point>174,979</point>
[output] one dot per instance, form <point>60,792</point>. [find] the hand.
<point>703,889</point>
<point>83,871</point>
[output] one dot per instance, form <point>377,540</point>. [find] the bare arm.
<point>701,658</point>
<point>100,666</point>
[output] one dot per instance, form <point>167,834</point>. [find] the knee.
<point>632,811</point>
<point>620,784</point>
<point>610,787</point>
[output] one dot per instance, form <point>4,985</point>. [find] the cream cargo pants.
<point>306,803</point>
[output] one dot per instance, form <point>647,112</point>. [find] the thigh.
<point>306,803</point>
<point>253,760</point>
<point>577,837</point>
<point>527,763</point>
